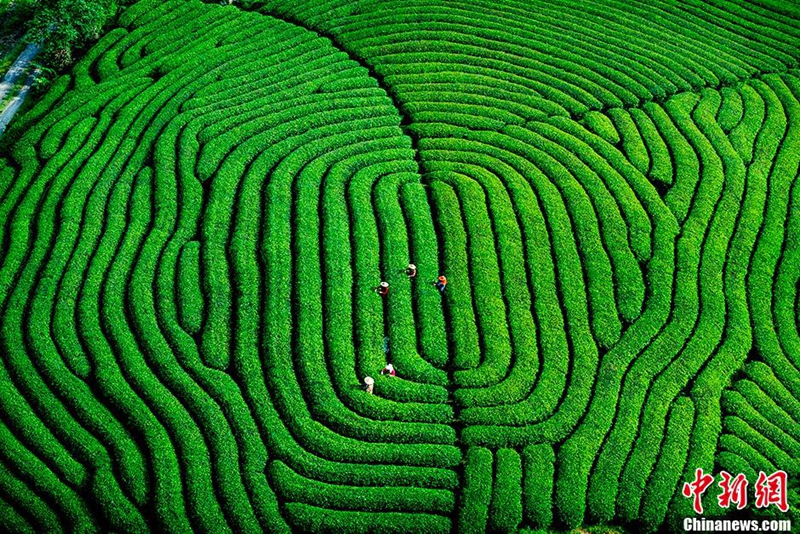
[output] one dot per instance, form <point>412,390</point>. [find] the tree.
<point>14,16</point>
<point>64,25</point>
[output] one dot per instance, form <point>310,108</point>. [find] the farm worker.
<point>441,283</point>
<point>369,384</point>
<point>411,270</point>
<point>383,289</point>
<point>389,369</point>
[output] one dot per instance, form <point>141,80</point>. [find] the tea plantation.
<point>194,219</point>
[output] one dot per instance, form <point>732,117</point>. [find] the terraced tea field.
<point>193,222</point>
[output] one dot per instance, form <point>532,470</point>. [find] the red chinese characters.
<point>734,490</point>
<point>772,490</point>
<point>696,489</point>
<point>769,490</point>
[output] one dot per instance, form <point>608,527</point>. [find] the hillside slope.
<point>193,221</point>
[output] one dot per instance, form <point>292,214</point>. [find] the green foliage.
<point>67,25</point>
<point>190,299</point>
<point>14,14</point>
<point>194,218</point>
<point>537,489</point>
<point>505,511</point>
<point>476,493</point>
<point>601,125</point>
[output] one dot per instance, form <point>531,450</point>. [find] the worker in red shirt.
<point>441,283</point>
<point>389,370</point>
<point>383,289</point>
